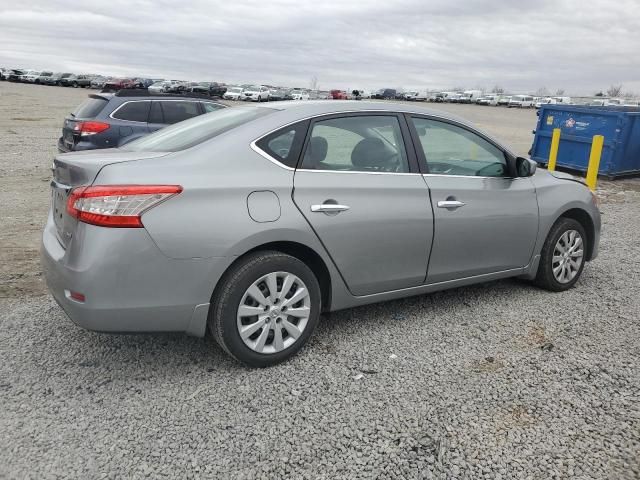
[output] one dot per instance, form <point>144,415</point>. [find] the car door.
<point>359,189</point>
<point>486,220</point>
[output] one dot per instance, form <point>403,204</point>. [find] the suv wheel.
<point>265,308</point>
<point>563,256</point>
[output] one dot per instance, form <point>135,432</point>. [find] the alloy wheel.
<point>567,256</point>
<point>273,312</point>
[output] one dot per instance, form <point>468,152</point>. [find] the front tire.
<point>563,256</point>
<point>265,308</point>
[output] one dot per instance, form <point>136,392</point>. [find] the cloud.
<point>581,46</point>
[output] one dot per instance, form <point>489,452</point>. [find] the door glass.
<point>453,150</point>
<point>360,143</point>
<point>175,112</point>
<point>133,112</point>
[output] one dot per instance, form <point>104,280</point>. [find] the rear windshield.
<point>91,107</point>
<point>196,130</point>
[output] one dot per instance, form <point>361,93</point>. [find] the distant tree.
<point>629,95</point>
<point>614,91</point>
<point>313,84</point>
<point>560,91</point>
<point>497,89</point>
<point>542,92</point>
<point>599,94</point>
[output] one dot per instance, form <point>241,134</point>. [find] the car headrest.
<point>369,153</point>
<point>316,151</point>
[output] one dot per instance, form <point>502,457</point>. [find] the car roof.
<point>126,98</point>
<point>312,108</point>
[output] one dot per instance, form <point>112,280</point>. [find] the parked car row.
<point>105,83</point>
<point>263,93</point>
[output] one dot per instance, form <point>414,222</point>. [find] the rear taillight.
<point>90,128</point>
<point>117,205</point>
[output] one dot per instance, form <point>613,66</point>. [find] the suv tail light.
<point>90,128</point>
<point>117,205</point>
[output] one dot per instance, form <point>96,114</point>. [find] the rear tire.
<point>247,288</point>
<point>563,256</point>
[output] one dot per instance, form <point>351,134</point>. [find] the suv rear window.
<point>91,107</point>
<point>196,130</point>
<point>133,111</point>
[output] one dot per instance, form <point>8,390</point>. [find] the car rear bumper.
<point>77,147</point>
<point>128,284</point>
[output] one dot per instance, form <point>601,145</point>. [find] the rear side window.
<point>285,144</point>
<point>133,112</point>
<point>176,111</point>
<point>90,108</point>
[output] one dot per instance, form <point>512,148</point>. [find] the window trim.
<point>410,144</point>
<point>412,162</point>
<point>422,159</point>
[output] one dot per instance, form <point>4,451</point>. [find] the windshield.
<point>196,130</point>
<point>236,90</point>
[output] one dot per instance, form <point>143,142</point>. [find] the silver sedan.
<point>251,221</point>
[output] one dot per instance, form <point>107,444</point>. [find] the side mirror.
<point>525,167</point>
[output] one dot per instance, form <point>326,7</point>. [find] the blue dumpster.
<point>620,127</point>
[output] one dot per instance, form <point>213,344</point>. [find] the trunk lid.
<point>77,169</point>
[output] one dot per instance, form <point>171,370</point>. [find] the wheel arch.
<point>303,253</point>
<point>583,218</point>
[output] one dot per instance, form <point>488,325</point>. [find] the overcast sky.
<point>578,45</point>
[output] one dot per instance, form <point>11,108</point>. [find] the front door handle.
<point>329,208</point>
<point>450,204</point>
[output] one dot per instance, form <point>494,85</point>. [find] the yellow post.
<point>594,161</point>
<point>553,153</point>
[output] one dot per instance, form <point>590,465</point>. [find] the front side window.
<point>359,143</point>
<point>133,112</point>
<point>177,111</point>
<point>453,150</point>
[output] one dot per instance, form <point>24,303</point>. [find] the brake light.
<point>90,128</point>
<point>117,205</point>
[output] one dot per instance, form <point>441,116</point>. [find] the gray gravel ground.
<point>500,380</point>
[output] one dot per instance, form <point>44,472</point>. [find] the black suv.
<point>108,120</point>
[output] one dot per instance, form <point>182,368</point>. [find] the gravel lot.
<point>500,380</point>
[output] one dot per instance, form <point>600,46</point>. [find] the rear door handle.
<point>450,204</point>
<point>329,208</point>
